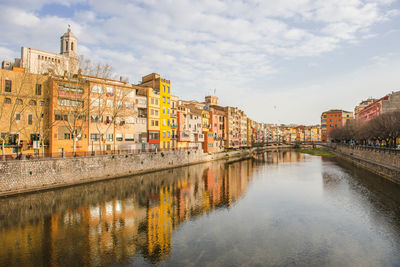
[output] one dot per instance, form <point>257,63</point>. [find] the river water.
<point>277,209</point>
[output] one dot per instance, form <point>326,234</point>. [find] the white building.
<point>40,62</point>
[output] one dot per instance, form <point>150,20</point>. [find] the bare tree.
<point>384,128</point>
<point>109,108</point>
<point>96,69</point>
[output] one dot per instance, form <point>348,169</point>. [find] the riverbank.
<point>25,176</point>
<point>316,152</point>
<point>385,163</point>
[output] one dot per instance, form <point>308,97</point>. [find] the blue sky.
<point>280,61</point>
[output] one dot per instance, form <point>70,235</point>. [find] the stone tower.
<point>69,44</point>
<point>212,100</point>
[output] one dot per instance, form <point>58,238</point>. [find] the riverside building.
<point>162,87</point>
<point>24,111</point>
<point>41,62</point>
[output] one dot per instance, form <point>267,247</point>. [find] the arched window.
<point>19,101</point>
<point>32,102</point>
<point>66,45</point>
<point>7,100</point>
<point>72,46</point>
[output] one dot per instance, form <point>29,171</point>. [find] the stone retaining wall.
<point>383,162</point>
<point>33,175</point>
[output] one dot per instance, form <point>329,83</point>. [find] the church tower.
<point>69,44</point>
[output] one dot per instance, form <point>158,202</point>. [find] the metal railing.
<point>46,155</point>
<point>366,147</point>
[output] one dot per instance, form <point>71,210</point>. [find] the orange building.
<point>68,115</point>
<point>331,119</point>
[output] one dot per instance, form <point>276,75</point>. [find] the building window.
<point>129,137</point>
<point>38,89</point>
<point>168,134</point>
<point>168,111</point>
<point>131,94</point>
<point>163,134</point>
<point>95,137</point>
<point>30,119</point>
<point>152,123</point>
<point>118,137</point>
<point>32,102</point>
<point>163,88</point>
<point>42,103</point>
<point>97,89</point>
<point>167,100</point>
<point>168,89</point>
<point>109,103</point>
<point>129,105</point>
<point>110,91</point>
<point>163,110</point>
<point>96,118</point>
<point>157,102</point>
<point>60,117</point>
<point>17,117</point>
<point>8,85</point>
<point>156,112</point>
<point>163,99</point>
<point>156,122</point>
<point>129,120</point>
<point>19,101</point>
<point>163,122</point>
<point>109,137</point>
<point>7,100</point>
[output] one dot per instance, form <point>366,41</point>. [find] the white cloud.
<point>229,45</point>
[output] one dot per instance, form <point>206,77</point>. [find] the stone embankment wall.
<point>33,175</point>
<point>383,162</point>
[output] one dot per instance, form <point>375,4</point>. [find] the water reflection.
<point>133,220</point>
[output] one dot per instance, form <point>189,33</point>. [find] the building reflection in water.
<point>111,222</point>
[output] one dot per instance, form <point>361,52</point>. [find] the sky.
<point>281,62</point>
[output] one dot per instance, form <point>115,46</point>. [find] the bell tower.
<point>69,44</point>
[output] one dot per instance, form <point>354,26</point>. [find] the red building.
<point>372,110</point>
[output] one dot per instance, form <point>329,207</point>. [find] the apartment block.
<point>388,103</point>
<point>24,112</point>
<point>183,133</point>
<point>68,115</point>
<point>163,87</point>
<point>174,121</point>
<point>234,125</point>
<point>334,118</point>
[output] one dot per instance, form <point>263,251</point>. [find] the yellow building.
<point>163,86</point>
<point>159,223</point>
<point>24,109</point>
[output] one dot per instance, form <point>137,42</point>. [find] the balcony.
<point>183,136</point>
<point>199,137</point>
